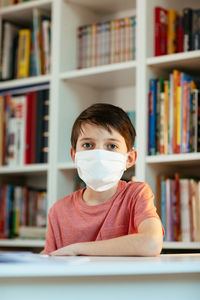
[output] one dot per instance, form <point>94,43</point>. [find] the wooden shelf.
<point>186,158</point>
<point>105,6</point>
<point>15,83</point>
<point>108,76</point>
<point>24,169</point>
<point>181,245</point>
<point>4,11</point>
<point>22,243</point>
<point>188,61</point>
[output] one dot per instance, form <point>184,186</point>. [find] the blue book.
<point>184,78</point>
<point>152,116</point>
<point>9,204</point>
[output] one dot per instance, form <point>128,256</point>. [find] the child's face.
<point>96,137</point>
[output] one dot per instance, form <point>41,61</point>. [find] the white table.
<point>163,277</point>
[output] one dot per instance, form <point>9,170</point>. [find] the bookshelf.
<point>71,90</point>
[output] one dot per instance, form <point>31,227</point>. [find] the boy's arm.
<point>147,242</point>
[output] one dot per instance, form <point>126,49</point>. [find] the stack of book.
<point>4,3</point>
<point>21,210</point>
<point>24,118</point>
<point>26,51</point>
<point>106,42</point>
<point>178,203</point>
<point>176,32</point>
<point>174,114</point>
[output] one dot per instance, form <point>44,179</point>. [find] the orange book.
<point>117,40</point>
<point>175,83</point>
<point>172,32</point>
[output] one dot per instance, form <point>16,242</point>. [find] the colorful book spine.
<point>24,48</point>
<point>172,32</point>
<point>160,31</point>
<point>187,27</point>
<point>152,116</point>
<point>180,34</point>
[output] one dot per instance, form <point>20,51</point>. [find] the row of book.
<point>24,121</point>
<point>4,3</point>
<point>20,208</point>
<point>26,51</point>
<point>174,114</point>
<point>106,42</point>
<point>176,32</point>
<point>178,203</point>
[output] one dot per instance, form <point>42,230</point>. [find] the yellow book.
<point>172,32</point>
<point>24,53</point>
<point>166,91</point>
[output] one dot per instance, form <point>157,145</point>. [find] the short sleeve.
<point>50,244</point>
<point>144,205</point>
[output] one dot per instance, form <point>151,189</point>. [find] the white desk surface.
<point>98,266</point>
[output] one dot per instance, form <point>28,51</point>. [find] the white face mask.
<point>100,169</point>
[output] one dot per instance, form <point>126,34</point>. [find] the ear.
<point>131,158</point>
<point>73,152</point>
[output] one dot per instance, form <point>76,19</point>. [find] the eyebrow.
<point>109,139</point>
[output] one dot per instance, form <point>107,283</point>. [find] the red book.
<point>28,129</point>
<point>180,34</point>
<point>33,127</point>
<point>160,31</point>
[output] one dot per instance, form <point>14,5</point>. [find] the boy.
<point>109,216</point>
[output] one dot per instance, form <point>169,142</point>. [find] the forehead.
<point>94,131</point>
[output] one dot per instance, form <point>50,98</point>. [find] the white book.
<point>20,102</point>
<point>46,27</point>
<point>9,35</point>
<point>185,210</point>
<point>11,142</point>
<point>36,40</point>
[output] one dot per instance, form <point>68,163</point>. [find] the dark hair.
<point>108,116</point>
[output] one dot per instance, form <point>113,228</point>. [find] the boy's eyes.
<point>110,147</point>
<point>87,145</point>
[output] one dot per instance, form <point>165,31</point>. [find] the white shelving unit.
<point>124,84</point>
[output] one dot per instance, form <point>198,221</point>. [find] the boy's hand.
<point>71,250</point>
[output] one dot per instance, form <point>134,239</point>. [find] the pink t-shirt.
<point>71,220</point>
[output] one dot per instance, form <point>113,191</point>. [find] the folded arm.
<point>147,242</point>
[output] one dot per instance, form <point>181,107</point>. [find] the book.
<point>170,201</point>
<point>185,210</point>
<point>152,116</point>
<point>24,53</point>
<point>172,31</point>
<point>180,34</point>
<point>1,128</point>
<point>195,29</point>
<point>32,232</point>
<point>10,34</point>
<point>46,34</point>
<point>187,27</point>
<point>33,126</point>
<point>160,23</point>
